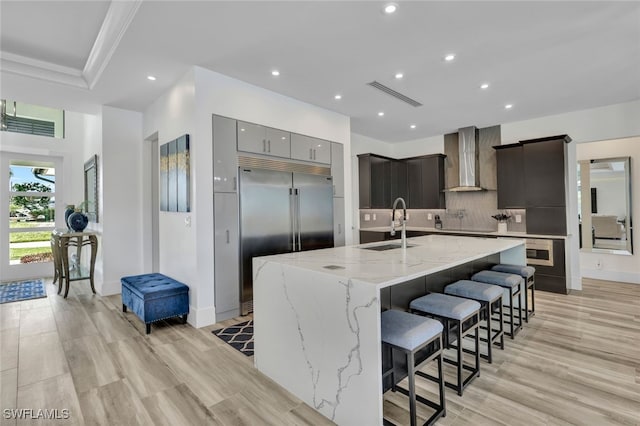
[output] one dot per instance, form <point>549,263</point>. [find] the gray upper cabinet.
<point>307,148</point>
<point>226,257</point>
<point>337,169</point>
<point>278,142</point>
<point>263,140</point>
<point>225,160</point>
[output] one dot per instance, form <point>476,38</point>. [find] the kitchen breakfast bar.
<point>317,313</point>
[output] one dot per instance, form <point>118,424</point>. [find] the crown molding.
<point>115,24</point>
<point>42,70</point>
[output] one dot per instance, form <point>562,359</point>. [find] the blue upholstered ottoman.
<point>153,297</point>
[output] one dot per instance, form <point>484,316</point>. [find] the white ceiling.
<point>542,57</point>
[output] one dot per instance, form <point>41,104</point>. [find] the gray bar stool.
<point>490,298</point>
<point>513,285</point>
<point>414,335</point>
<point>460,318</point>
<point>528,275</point>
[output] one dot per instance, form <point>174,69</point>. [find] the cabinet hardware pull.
<point>228,237</point>
<point>310,155</point>
<point>269,145</point>
<point>314,154</point>
<point>264,145</point>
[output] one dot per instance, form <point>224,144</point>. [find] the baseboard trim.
<point>599,274</point>
<point>201,317</point>
<point>109,288</point>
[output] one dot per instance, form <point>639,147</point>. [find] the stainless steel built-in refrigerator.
<point>281,212</point>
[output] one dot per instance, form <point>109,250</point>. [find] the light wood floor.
<point>576,362</point>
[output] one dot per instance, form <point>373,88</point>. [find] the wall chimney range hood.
<point>468,152</point>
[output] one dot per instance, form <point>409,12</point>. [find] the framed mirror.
<point>604,198</point>
<point>91,188</point>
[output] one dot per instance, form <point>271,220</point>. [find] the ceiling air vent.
<point>390,91</point>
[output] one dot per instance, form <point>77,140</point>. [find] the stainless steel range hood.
<point>468,161</point>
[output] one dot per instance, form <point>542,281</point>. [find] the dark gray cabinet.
<point>375,181</point>
<point>425,182</point>
<point>544,172</point>
<point>419,180</point>
<point>510,176</point>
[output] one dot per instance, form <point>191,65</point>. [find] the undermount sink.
<point>386,247</point>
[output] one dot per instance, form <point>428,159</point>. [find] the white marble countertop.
<point>429,254</point>
<point>455,231</point>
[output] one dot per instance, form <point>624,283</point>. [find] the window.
<point>31,211</point>
<point>19,117</point>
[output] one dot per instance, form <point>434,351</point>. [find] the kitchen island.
<point>317,314</point>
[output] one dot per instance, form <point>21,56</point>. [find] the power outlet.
<point>367,217</point>
<point>599,264</point>
<point>518,218</point>
<point>429,216</point>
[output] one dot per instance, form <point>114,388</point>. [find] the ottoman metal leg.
<point>148,328</point>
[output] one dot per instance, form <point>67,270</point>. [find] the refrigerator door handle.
<point>297,192</point>
<point>292,213</point>
<point>264,145</point>
<point>269,145</point>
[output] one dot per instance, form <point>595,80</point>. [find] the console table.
<point>61,240</point>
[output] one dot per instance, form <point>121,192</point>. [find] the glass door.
<point>28,215</point>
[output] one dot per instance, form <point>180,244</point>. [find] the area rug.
<point>240,336</point>
<point>22,290</point>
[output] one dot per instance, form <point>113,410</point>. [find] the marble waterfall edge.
<point>315,335</point>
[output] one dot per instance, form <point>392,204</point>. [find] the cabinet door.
<point>398,180</point>
<point>225,159</point>
<point>414,184</point>
<point>337,169</point>
<point>301,147</point>
<point>544,173</point>
<point>252,138</point>
<point>321,151</point>
<point>510,173</point>
<point>338,222</point>
<point>433,183</point>
<point>226,258</point>
<point>380,183</point>
<point>278,143</point>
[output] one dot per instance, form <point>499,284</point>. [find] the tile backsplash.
<point>465,211</point>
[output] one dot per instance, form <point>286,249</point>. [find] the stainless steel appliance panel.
<point>266,224</point>
<point>539,252</point>
<point>314,211</point>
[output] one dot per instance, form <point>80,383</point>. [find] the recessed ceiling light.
<point>390,8</point>
<point>508,106</point>
<point>450,57</point>
<point>380,114</point>
<point>275,73</point>
<point>337,97</point>
<point>413,126</point>
<point>399,75</point>
<point>484,86</point>
<point>150,77</point>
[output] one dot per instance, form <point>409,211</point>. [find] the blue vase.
<point>68,212</point>
<point>77,221</point>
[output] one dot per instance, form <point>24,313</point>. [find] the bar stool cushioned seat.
<point>413,334</point>
<point>154,297</point>
<point>513,284</point>
<point>528,274</point>
<point>490,297</point>
<point>460,317</point>
<point>407,331</point>
<point>445,306</point>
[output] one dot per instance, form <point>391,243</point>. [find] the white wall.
<point>69,153</point>
<point>615,267</point>
<point>610,194</point>
<point>187,253</point>
<point>121,215</point>
<point>171,116</point>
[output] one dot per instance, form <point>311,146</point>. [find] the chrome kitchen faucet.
<point>403,235</point>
